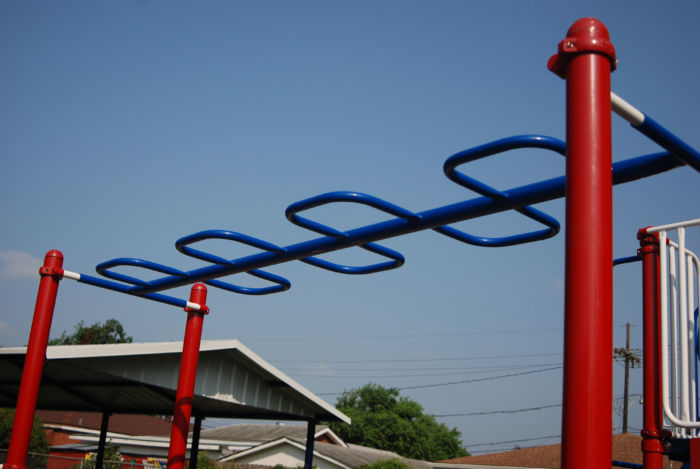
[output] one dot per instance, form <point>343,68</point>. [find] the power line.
<point>423,386</point>
<point>492,412</point>
<point>412,336</point>
<point>425,360</point>
<point>417,360</point>
<point>481,379</point>
<point>433,368</point>
<point>513,441</point>
<point>514,411</point>
<point>408,336</point>
<point>454,372</point>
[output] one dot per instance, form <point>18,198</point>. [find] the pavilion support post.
<point>194,449</point>
<point>585,59</point>
<point>188,372</point>
<point>51,273</point>
<point>310,436</point>
<point>99,463</point>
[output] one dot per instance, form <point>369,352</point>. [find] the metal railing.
<point>679,285</point>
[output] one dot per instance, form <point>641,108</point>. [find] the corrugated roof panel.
<point>142,378</point>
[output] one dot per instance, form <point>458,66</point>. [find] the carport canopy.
<point>141,378</point>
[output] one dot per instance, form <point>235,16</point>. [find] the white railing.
<point>679,286</point>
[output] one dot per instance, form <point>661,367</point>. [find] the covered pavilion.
<point>142,378</point>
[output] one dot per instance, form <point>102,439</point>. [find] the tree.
<point>383,419</point>
<point>386,464</point>
<point>38,448</point>
<point>111,332</point>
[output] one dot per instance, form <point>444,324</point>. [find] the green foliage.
<point>386,464</point>
<point>112,459</point>
<point>38,448</point>
<point>111,332</point>
<point>382,419</point>
<point>203,461</point>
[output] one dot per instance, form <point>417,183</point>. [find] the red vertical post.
<point>652,433</point>
<point>585,59</point>
<point>51,273</point>
<point>188,373</point>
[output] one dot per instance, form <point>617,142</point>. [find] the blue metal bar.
<point>628,465</point>
<point>655,131</point>
<point>122,288</point>
<point>670,142</point>
<point>282,284</point>
<point>501,146</point>
<point>625,171</point>
<point>397,260</point>
<point>626,260</point>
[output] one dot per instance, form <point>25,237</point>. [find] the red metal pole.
<point>586,57</point>
<point>652,433</point>
<point>51,273</point>
<point>188,373</point>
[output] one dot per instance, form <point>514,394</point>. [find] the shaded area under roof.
<point>232,382</point>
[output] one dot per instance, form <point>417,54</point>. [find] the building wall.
<point>73,459</point>
<point>288,456</point>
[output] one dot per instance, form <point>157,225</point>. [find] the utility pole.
<point>630,359</point>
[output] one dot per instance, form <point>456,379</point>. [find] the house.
<point>73,436</point>
<point>626,447</point>
<point>243,436</point>
<point>289,452</point>
<point>63,427</point>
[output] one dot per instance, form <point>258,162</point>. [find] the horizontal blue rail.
<point>627,260</point>
<point>628,465</point>
<point>489,201</point>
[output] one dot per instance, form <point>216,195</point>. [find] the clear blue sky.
<point>126,125</point>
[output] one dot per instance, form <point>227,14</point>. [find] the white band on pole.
<point>625,110</point>
<point>71,275</point>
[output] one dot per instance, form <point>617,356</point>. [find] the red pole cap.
<point>53,263</point>
<point>585,36</point>
<point>198,295</point>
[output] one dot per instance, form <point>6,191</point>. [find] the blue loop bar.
<point>397,259</point>
<point>103,269</point>
<point>183,243</point>
<point>341,196</point>
<point>492,148</point>
<point>491,201</point>
<point>282,284</point>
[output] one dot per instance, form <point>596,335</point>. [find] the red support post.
<point>585,59</point>
<point>188,373</point>
<point>51,273</point>
<point>652,433</point>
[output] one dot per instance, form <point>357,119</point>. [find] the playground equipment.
<point>585,59</point>
<point>670,285</point>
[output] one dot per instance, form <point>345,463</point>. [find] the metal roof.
<point>256,433</point>
<point>347,457</point>
<point>232,382</point>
